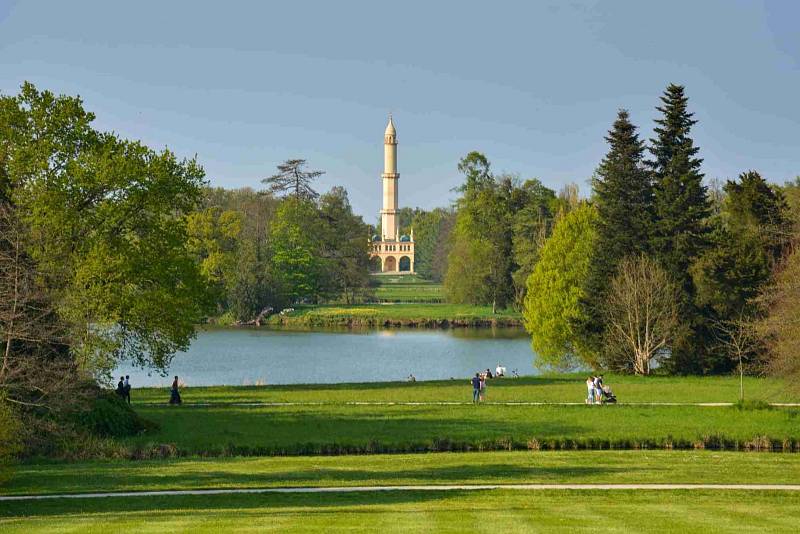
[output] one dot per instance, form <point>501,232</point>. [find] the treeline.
<point>658,269</point>
<point>262,251</point>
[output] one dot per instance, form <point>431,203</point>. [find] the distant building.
<point>395,251</point>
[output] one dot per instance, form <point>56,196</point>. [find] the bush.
<point>750,405</point>
<point>111,416</point>
<point>9,438</point>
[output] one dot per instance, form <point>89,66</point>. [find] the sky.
<point>533,85</point>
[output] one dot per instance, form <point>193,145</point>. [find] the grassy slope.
<point>338,429</point>
<point>425,315</point>
<point>612,467</point>
<point>407,288</point>
<point>555,388</point>
<point>489,511</point>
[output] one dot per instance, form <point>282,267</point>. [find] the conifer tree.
<point>681,203</point>
<point>681,209</point>
<point>623,195</point>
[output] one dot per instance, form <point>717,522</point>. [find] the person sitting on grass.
<point>175,396</point>
<point>476,388</point>
<point>500,371</point>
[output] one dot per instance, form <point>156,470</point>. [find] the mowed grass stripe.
<point>487,511</point>
<point>573,467</point>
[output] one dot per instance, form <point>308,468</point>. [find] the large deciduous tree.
<point>107,219</point>
<point>556,287</point>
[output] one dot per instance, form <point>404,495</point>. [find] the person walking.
<point>482,395</point>
<point>476,388</point>
<point>590,390</point>
<point>121,388</point>
<point>127,388</point>
<point>175,396</point>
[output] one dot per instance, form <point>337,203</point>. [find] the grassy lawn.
<point>486,511</point>
<point>423,315</point>
<point>611,467</point>
<point>548,388</point>
<point>339,429</point>
<point>408,288</point>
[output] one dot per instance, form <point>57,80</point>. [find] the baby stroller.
<point>608,396</point>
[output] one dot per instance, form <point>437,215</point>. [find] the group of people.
<point>124,388</point>
<point>597,392</point>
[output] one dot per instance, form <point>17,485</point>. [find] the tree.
<point>531,226</point>
<point>293,179</point>
<point>556,287</point>
<point>681,208</point>
<point>681,203</point>
<point>476,169</point>
<point>623,195</point>
<point>480,263</point>
<point>641,315</point>
<point>344,245</point>
<point>295,250</point>
<point>780,326</point>
<point>108,216</point>
<point>740,341</point>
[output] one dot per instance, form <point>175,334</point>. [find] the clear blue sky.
<point>535,87</point>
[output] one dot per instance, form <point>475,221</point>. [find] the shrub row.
<point>710,442</point>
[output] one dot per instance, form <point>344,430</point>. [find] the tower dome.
<point>390,127</point>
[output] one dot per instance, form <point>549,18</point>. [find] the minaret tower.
<point>395,251</point>
<point>390,177</point>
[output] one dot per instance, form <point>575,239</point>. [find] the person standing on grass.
<point>476,388</point>
<point>121,387</point>
<point>590,390</point>
<point>483,387</point>
<point>175,396</point>
<point>127,388</point>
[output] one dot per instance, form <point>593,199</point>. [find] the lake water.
<point>262,356</point>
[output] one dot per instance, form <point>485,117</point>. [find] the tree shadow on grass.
<point>192,505</point>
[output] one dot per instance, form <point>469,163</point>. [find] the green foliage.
<point>109,220</point>
<point>623,195</point>
<point>111,416</point>
<point>431,233</point>
<point>555,289</point>
<point>499,228</point>
<point>9,438</point>
<point>681,206</point>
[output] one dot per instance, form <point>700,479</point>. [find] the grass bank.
<point>573,467</point>
<point>396,315</point>
<point>406,288</point>
<point>339,429</point>
<point>490,511</point>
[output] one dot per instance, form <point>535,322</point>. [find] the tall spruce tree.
<point>623,195</point>
<point>681,208</point>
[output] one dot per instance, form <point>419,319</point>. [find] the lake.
<point>245,356</point>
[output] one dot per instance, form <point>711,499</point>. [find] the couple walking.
<point>479,387</point>
<point>124,388</point>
